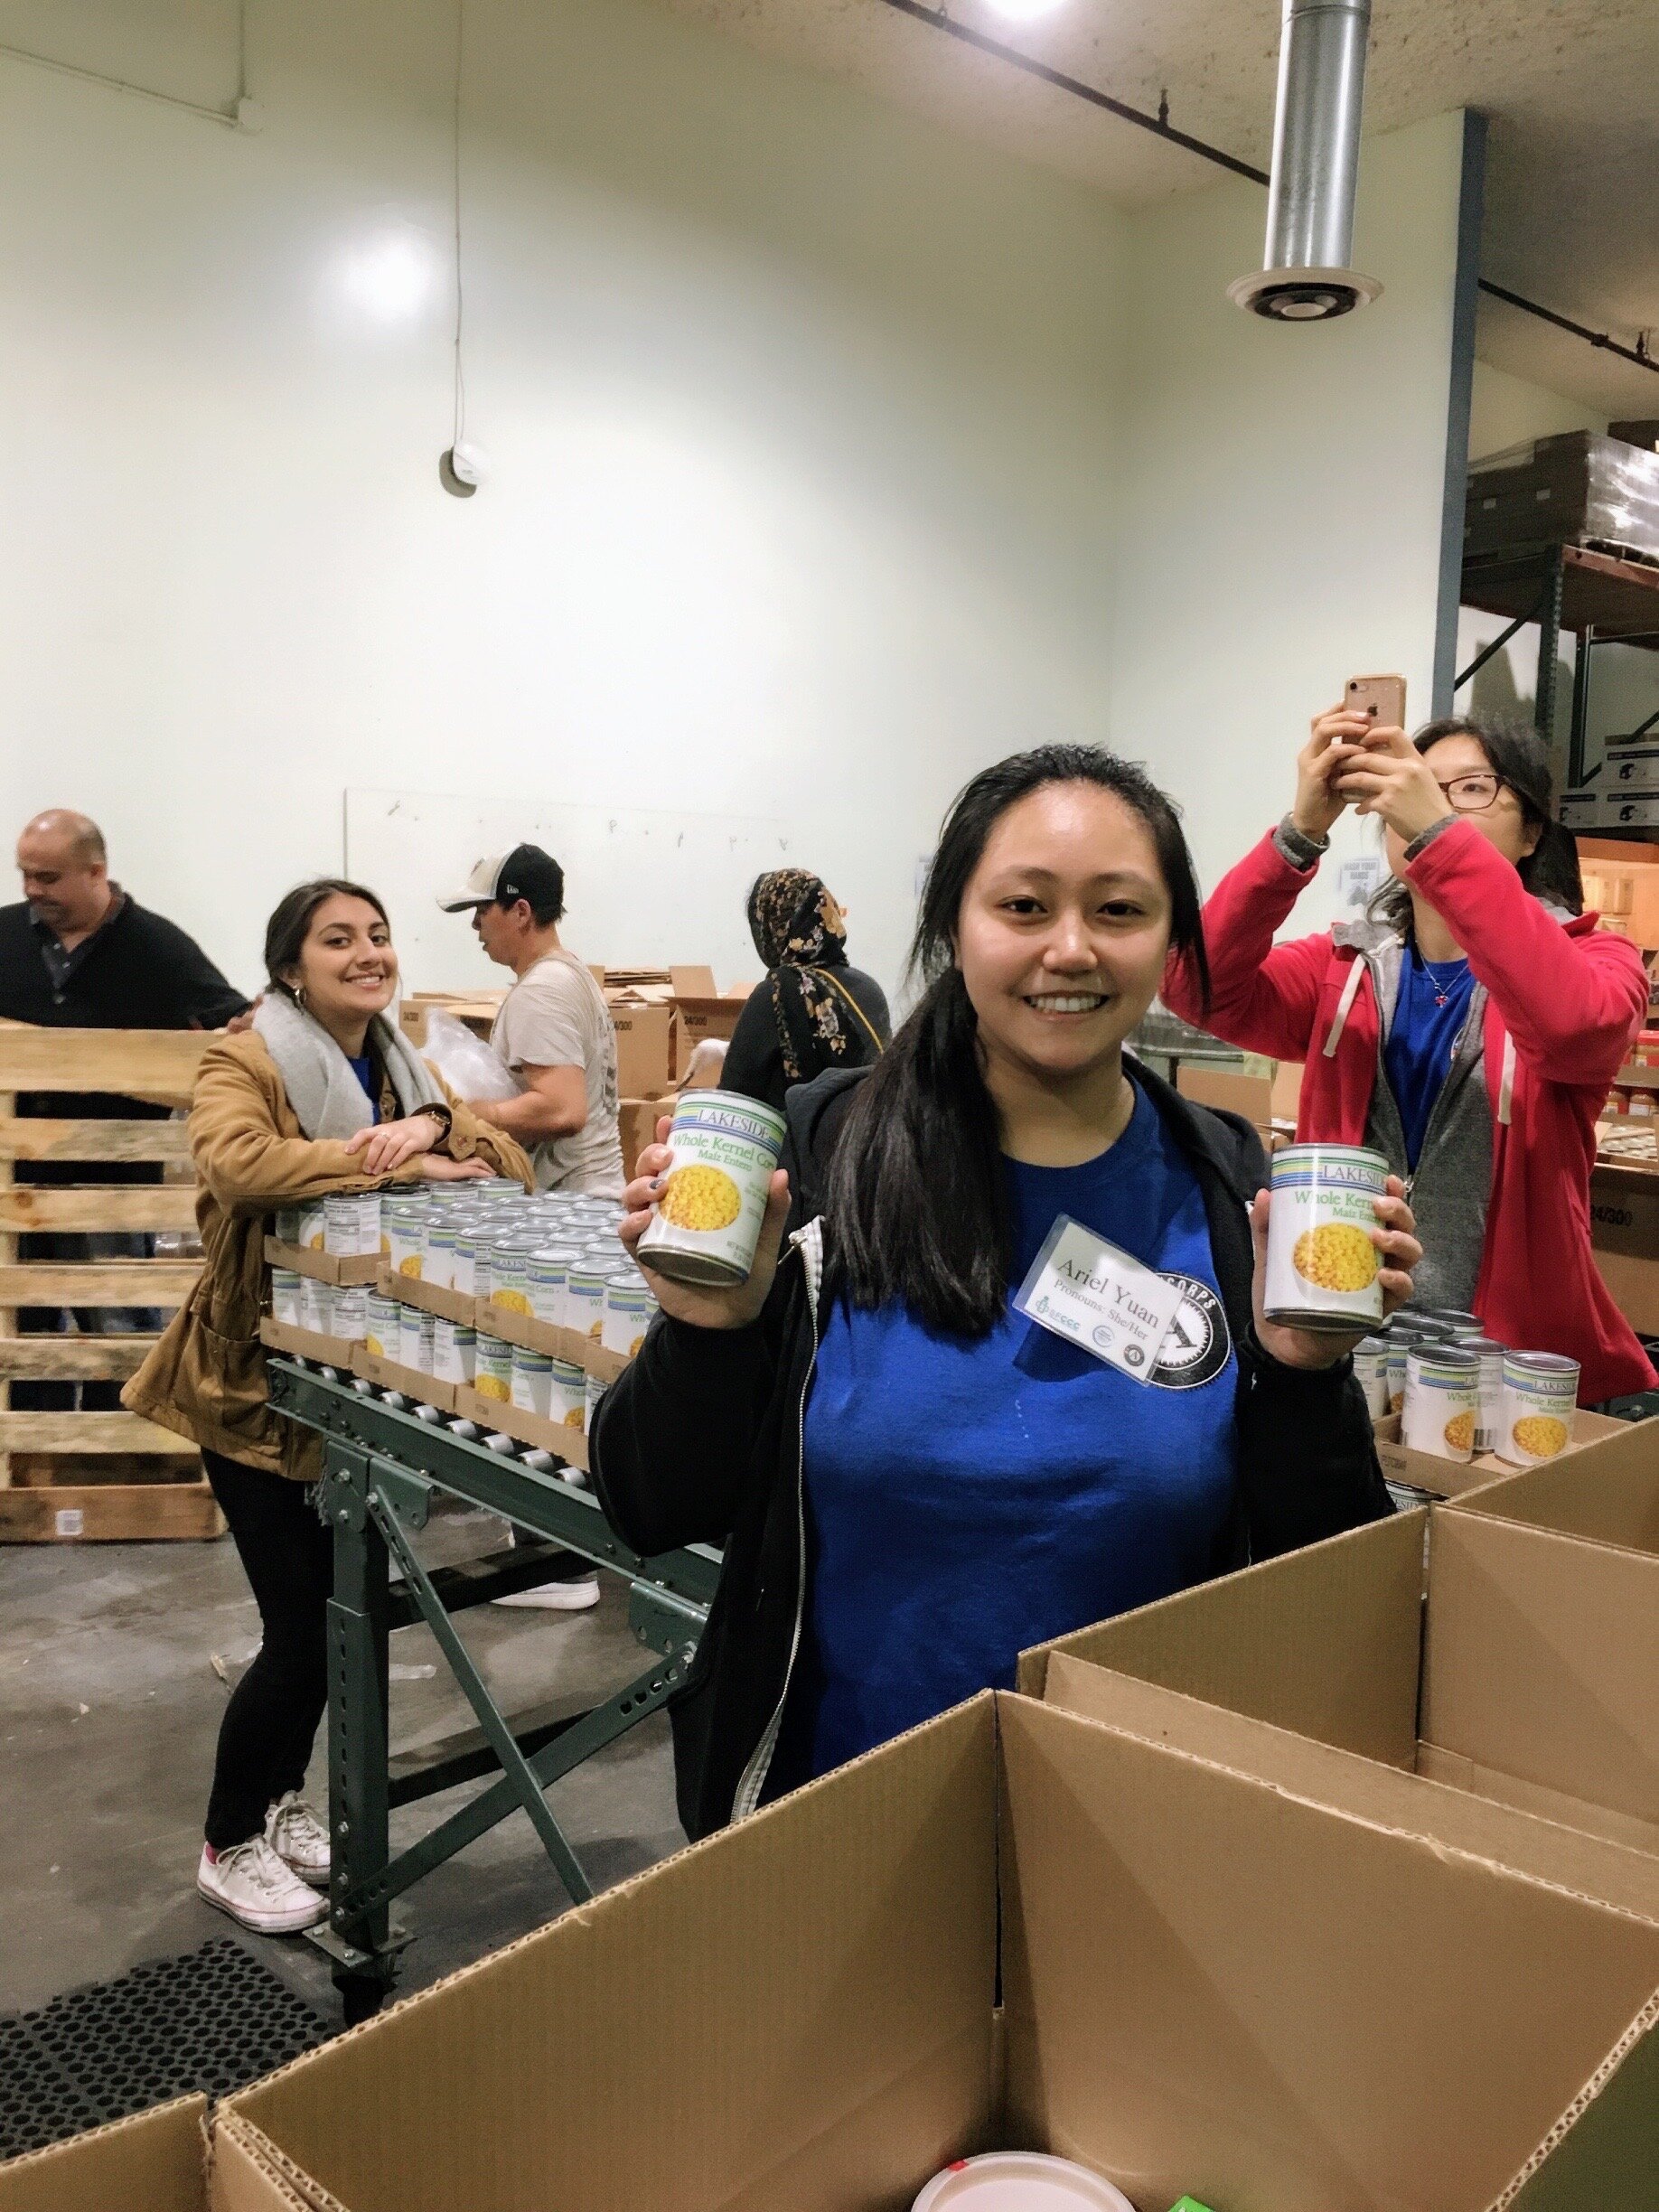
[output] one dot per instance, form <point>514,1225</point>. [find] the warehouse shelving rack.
<point>385,1468</point>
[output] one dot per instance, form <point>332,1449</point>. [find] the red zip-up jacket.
<point>1564,1004</point>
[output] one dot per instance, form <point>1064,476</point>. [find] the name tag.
<point>1086,1290</point>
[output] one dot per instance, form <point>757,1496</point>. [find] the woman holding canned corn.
<point>1467,1027</point>
<point>913,1477</point>
<point>323,1097</point>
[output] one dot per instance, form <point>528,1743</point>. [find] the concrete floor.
<point>109,1706</point>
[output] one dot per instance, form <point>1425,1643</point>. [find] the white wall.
<point>802,415</point>
<point>819,439</point>
<point>1504,409</point>
<point>1282,495</point>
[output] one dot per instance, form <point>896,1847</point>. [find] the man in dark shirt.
<point>79,953</point>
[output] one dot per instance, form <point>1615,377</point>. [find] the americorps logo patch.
<point>1199,1341</point>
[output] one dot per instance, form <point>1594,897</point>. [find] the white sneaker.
<point>299,1839</point>
<point>556,1596</point>
<point>252,1884</point>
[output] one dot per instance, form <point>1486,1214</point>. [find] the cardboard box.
<point>1524,1674</point>
<point>324,1267</point>
<point>644,1045</point>
<point>1597,1441</point>
<point>637,1119</point>
<point>700,1012</point>
<point>156,2161</point>
<point>1208,1986</point>
<point>392,1374</point>
<point>1625,1237</point>
<point>534,1336</point>
<point>1269,1102</point>
<point>1616,1504</point>
<point>569,1445</point>
<point>476,1011</point>
<point>431,1298</point>
<point>307,1343</point>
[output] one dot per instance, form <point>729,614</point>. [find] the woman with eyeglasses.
<point>1468,1025</point>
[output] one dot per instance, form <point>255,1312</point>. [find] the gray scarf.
<point>321,1084</point>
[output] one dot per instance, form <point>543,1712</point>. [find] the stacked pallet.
<point>79,1475</point>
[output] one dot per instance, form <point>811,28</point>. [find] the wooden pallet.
<point>109,1476</point>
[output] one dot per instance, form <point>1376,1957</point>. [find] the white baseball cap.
<point>524,872</point>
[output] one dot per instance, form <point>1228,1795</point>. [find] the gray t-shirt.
<point>555,1016</point>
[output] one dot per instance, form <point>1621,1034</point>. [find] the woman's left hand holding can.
<point>1396,1241</point>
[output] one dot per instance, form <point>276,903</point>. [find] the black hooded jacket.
<point>700,1442</point>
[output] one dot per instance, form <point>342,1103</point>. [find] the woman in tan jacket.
<point>321,1096</point>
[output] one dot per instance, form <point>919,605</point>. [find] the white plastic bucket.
<point>1019,2181</point>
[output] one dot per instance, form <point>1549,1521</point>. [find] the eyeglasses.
<point>1472,794</point>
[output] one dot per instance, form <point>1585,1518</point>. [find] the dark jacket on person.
<point>137,971</point>
<point>754,1057</point>
<point>701,1440</point>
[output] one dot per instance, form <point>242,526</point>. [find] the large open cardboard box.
<point>1625,1233</point>
<point>1600,1445</point>
<point>154,2162</point>
<point>1619,1505</point>
<point>1513,1663</point>
<point>1206,1984</point>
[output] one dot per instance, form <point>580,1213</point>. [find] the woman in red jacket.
<point>1468,1025</point>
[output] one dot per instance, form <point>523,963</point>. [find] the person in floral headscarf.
<point>813,1011</point>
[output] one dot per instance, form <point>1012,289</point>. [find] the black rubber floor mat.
<point>212,2021</point>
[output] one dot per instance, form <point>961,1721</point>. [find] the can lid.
<point>1457,1357</point>
<point>1021,2181</point>
<point>1540,1362</point>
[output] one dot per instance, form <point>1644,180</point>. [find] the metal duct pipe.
<point>1316,167</point>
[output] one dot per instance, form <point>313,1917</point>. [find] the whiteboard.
<point>642,888</point>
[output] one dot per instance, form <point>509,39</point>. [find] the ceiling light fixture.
<point>1024,11</point>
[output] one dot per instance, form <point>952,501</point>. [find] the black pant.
<point>271,1721</point>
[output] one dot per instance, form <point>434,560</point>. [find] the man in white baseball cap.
<point>553,1031</point>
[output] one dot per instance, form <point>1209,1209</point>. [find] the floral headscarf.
<point>801,933</point>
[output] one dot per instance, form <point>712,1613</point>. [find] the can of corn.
<point>315,1305</point>
<point>351,1225</point>
<point>1442,1402</point>
<point>437,1251</point>
<point>594,1392</point>
<point>492,1368</point>
<point>308,1224</point>
<point>385,1325</point>
<point>510,1270</point>
<point>348,1312</point>
<point>285,1297</point>
<point>1370,1363</point>
<point>415,1339</point>
<point>585,1296</point>
<point>545,1276</point>
<point>707,1221</point>
<point>404,1222</point>
<point>567,1394</point>
<point>628,1308</point>
<point>1489,1428</point>
<point>1322,1266</point>
<point>455,1351</point>
<point>1541,1395</point>
<point>530,1380</point>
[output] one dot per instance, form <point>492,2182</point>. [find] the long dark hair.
<point>1520,759</point>
<point>917,1200</point>
<point>290,923</point>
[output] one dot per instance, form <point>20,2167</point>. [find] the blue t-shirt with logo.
<point>967,1499</point>
<point>1429,1012</point>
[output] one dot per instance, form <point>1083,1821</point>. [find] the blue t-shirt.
<point>1429,1012</point>
<point>363,1069</point>
<point>967,1499</point>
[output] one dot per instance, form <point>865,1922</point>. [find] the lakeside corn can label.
<point>455,1351</point>
<point>1322,1267</point>
<point>1442,1403</point>
<point>724,1148</point>
<point>530,1381</point>
<point>1540,1393</point>
<point>595,1390</point>
<point>385,1324</point>
<point>628,1308</point>
<point>492,1369</point>
<point>1371,1371</point>
<point>285,1297</point>
<point>584,1298</point>
<point>567,1394</point>
<point>405,1226</point>
<point>415,1329</point>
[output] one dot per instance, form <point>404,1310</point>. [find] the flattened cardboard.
<point>1209,1987</point>
<point>1540,1661</point>
<point>324,1267</point>
<point>1325,1642</point>
<point>1430,1803</point>
<point>431,1298</point>
<point>1605,1440</point>
<point>795,2017</point>
<point>308,1343</point>
<point>392,1374</point>
<point>1617,1504</point>
<point>568,1444</point>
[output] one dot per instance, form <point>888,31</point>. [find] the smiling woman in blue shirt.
<point>912,1478</point>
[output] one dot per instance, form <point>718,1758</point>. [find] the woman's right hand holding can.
<point>703,1305</point>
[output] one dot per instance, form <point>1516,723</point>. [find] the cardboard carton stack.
<point>1268,1099</point>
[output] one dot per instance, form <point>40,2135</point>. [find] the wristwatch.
<point>442,1116</point>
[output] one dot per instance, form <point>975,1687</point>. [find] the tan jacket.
<point>205,1380</point>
